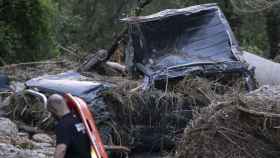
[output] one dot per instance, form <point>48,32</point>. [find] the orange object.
<point>79,106</point>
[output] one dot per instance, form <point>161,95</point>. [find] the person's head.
<point>57,106</point>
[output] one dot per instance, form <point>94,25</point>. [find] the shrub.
<point>26,30</point>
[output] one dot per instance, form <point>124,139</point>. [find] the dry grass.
<point>225,130</point>
<point>154,120</point>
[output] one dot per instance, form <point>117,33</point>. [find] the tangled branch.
<point>253,6</point>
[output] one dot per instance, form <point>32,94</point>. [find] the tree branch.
<point>122,34</point>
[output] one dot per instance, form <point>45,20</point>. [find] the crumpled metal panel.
<point>177,42</point>
<point>67,83</point>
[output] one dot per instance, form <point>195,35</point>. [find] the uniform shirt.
<point>71,132</point>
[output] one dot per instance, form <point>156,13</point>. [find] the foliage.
<point>29,29</point>
<point>26,30</point>
<point>89,24</point>
<point>92,24</point>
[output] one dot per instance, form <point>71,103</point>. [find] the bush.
<point>26,30</point>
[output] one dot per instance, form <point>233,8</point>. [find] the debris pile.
<point>28,110</point>
<point>240,126</point>
<point>221,119</point>
<point>154,120</point>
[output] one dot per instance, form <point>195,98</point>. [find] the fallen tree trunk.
<point>116,66</point>
<point>94,59</point>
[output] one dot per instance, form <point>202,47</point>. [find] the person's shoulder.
<point>66,121</point>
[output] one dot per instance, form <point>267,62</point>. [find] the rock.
<point>41,145</point>
<point>5,139</point>
<point>28,154</point>
<point>42,138</point>
<point>7,150</point>
<point>47,151</point>
<point>8,128</point>
<point>10,151</point>
<point>23,135</point>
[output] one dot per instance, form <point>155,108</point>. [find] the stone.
<point>42,138</point>
<point>23,135</point>
<point>27,154</point>
<point>10,151</point>
<point>7,150</point>
<point>8,128</point>
<point>47,151</point>
<point>37,145</point>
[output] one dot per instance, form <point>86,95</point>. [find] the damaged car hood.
<point>68,82</point>
<point>177,42</point>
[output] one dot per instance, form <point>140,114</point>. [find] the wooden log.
<point>94,59</point>
<point>116,66</point>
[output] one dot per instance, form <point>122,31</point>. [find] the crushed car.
<point>180,42</point>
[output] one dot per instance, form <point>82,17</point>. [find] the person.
<point>71,138</point>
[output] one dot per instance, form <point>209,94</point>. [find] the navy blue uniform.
<point>71,132</point>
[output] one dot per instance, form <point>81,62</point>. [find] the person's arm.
<point>60,151</point>
<point>63,140</point>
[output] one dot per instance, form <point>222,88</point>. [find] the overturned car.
<point>179,42</point>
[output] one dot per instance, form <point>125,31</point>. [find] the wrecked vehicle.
<point>179,42</point>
